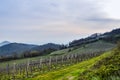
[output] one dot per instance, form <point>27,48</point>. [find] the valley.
<point>90,59</point>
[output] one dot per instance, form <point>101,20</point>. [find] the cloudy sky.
<point>57,21</point>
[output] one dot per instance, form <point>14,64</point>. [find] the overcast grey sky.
<point>57,21</point>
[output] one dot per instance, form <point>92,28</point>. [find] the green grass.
<point>18,61</point>
<point>60,52</point>
<point>74,72</point>
<point>103,67</point>
<point>91,47</point>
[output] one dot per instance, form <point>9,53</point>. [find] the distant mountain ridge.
<point>7,48</point>
<point>19,48</point>
<point>46,46</point>
<point>15,48</point>
<point>113,32</point>
<point>112,37</point>
<point>4,43</point>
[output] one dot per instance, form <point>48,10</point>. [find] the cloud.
<point>42,21</point>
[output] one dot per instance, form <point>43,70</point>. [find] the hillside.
<point>20,48</point>
<point>104,67</point>
<point>91,47</point>
<point>46,46</point>
<point>4,43</point>
<point>108,38</point>
<point>95,60</point>
<point>112,37</point>
<point>14,48</point>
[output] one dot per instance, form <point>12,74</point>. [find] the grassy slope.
<point>92,47</point>
<point>3,64</point>
<point>87,70</point>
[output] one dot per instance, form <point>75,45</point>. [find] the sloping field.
<point>89,48</point>
<point>104,67</point>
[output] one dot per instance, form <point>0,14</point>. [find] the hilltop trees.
<point>27,54</point>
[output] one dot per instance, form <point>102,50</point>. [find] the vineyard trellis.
<point>28,68</point>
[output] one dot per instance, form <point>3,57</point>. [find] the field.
<point>89,48</point>
<point>32,68</point>
<point>71,72</point>
<point>88,70</point>
<point>75,63</point>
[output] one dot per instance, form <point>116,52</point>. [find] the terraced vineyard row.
<point>31,68</point>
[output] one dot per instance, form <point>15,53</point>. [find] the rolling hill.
<point>46,46</point>
<point>19,48</point>
<point>7,48</point>
<point>90,47</point>
<point>14,48</point>
<point>103,67</point>
<point>4,43</point>
<point>112,37</point>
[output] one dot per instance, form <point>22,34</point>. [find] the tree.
<point>34,53</point>
<point>118,45</point>
<point>15,55</point>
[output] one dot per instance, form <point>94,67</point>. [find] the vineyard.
<point>89,48</point>
<point>59,40</point>
<point>31,68</point>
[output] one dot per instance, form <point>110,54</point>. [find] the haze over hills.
<point>46,46</point>
<point>19,48</point>
<point>14,48</point>
<point>112,37</point>
<point>8,48</point>
<point>4,43</point>
<point>87,57</point>
<point>59,40</point>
